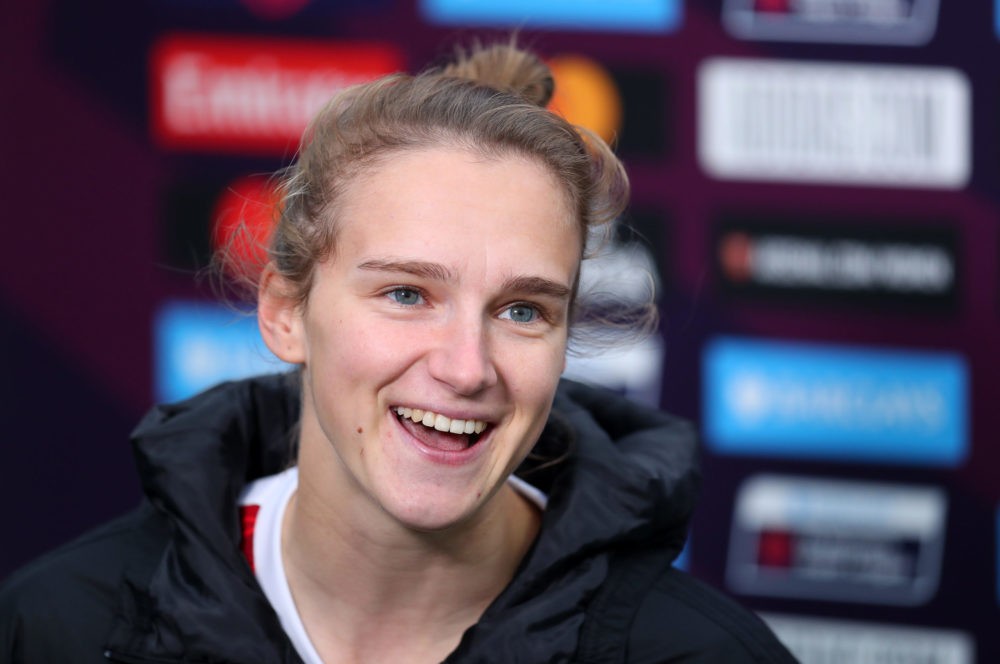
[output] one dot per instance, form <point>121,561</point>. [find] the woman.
<point>423,276</point>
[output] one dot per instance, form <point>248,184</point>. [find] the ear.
<point>280,317</point>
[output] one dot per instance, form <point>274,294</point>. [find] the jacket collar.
<point>194,458</point>
<point>628,478</point>
<point>629,482</point>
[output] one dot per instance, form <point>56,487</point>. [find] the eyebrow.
<point>427,270</point>
<point>422,269</point>
<point>537,286</point>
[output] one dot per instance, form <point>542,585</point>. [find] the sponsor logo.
<point>823,640</point>
<point>586,95</point>
<point>827,123</point>
<point>605,15</point>
<point>829,263</point>
<point>197,345</point>
<point>835,402</point>
<point>837,540</point>
<point>242,222</point>
<point>893,22</point>
<point>251,95</point>
<point>202,215</point>
<point>628,108</point>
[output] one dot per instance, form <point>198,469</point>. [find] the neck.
<point>362,580</point>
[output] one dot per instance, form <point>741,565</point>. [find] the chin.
<point>432,518</point>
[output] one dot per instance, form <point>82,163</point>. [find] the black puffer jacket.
<point>168,583</point>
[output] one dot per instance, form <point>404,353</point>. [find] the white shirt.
<point>271,495</point>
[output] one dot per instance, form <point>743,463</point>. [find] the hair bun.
<point>507,68</point>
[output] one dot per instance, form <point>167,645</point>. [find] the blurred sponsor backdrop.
<point>815,193</point>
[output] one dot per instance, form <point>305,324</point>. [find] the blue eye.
<point>521,313</point>
<point>405,296</point>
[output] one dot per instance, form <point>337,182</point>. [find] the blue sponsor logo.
<point>606,15</point>
<point>835,403</point>
<point>197,345</point>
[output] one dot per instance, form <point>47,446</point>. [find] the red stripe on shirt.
<point>248,518</point>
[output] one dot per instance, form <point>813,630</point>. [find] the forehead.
<point>457,207</point>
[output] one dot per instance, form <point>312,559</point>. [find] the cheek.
<point>533,377</point>
<point>353,352</point>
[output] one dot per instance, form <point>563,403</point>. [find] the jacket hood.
<point>203,602</point>
<point>624,476</point>
<point>629,484</point>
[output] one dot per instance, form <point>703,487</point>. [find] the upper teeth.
<point>440,422</point>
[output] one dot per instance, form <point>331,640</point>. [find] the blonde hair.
<point>491,100</point>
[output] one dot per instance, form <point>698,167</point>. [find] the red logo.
<point>234,94</point>
<point>243,220</point>
<point>736,256</point>
<point>776,549</point>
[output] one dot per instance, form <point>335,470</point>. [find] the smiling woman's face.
<point>434,336</point>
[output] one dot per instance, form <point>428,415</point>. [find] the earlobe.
<point>280,318</point>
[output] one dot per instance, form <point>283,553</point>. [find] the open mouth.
<point>439,431</point>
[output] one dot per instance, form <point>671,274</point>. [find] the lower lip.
<point>444,457</point>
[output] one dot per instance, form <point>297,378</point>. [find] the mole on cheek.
<point>361,430</point>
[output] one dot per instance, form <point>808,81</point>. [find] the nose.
<point>462,358</point>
